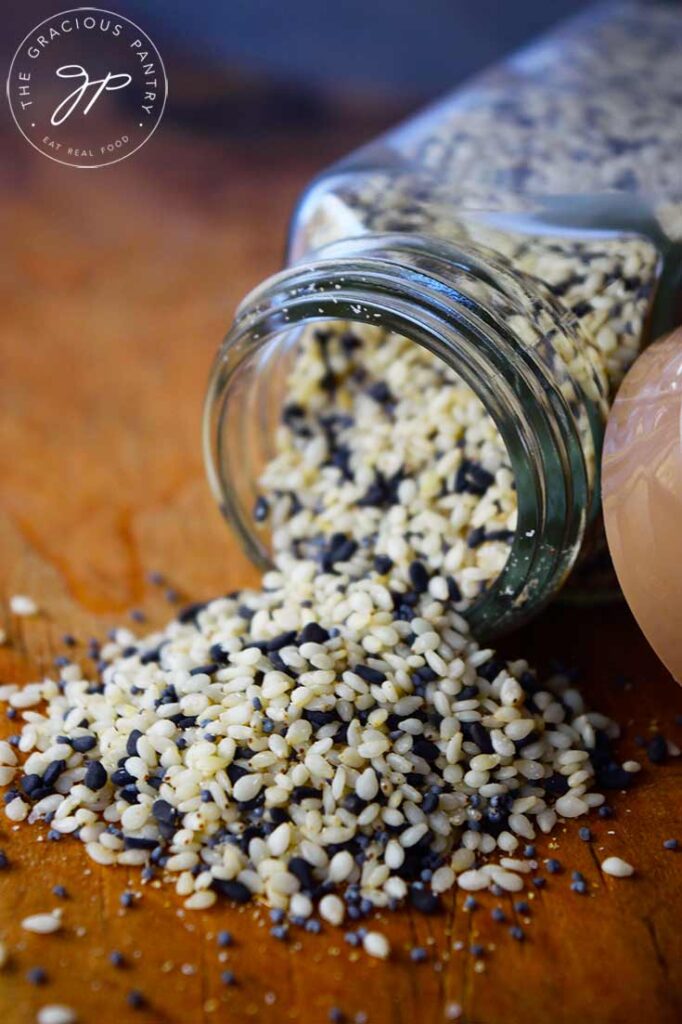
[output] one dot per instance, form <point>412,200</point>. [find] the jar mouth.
<point>468,310</point>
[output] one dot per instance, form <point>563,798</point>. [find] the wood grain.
<point>115,288</point>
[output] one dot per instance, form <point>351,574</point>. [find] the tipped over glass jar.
<point>510,250</point>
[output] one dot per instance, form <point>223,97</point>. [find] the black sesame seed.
<point>476,949</point>
<point>472,478</point>
<point>116,958</point>
<point>419,577</point>
<point>470,903</point>
<point>454,593</point>
<point>131,743</point>
<point>36,976</point>
<point>135,999</point>
<point>313,633</point>
<point>670,844</point>
<point>121,777</point>
<point>383,564</point>
<point>190,612</point>
<point>165,812</point>
<point>498,915</point>
<point>95,776</point>
<point>522,907</point>
<point>481,737</point>
<point>424,900</point>
<point>205,670</point>
<point>53,771</point>
<point>585,834</point>
<point>370,675</point>
<point>554,866</point>
<point>380,392</point>
<point>302,870</point>
<point>126,899</point>
<point>60,891</point>
<point>430,803</point>
<point>4,860</point>
<point>261,509</point>
<point>31,784</point>
<point>231,889</point>
<point>228,978</point>
<point>81,744</point>
<point>657,749</point>
<point>283,640</point>
<point>476,537</point>
<point>517,933</point>
<point>139,843</point>
<point>224,938</point>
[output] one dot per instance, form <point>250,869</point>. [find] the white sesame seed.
<point>472,881</point>
<point>247,788</point>
<point>42,924</point>
<point>7,754</point>
<point>56,1013</point>
<point>22,605</point>
<point>617,867</point>
<point>376,945</point>
<point>332,909</point>
<point>16,809</point>
<point>570,806</point>
<point>278,841</point>
<point>341,866</point>
<point>367,785</point>
<point>200,900</point>
<point>443,879</point>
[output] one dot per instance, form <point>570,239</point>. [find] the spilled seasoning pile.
<point>337,740</point>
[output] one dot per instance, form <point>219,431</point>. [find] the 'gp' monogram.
<point>110,83</point>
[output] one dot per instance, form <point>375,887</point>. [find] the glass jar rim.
<point>405,284</point>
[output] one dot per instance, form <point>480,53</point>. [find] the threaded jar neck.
<point>518,350</point>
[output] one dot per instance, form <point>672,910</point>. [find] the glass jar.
<point>527,230</point>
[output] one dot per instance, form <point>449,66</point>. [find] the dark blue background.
<point>411,48</point>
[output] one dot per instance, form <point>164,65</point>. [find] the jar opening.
<point>464,318</point>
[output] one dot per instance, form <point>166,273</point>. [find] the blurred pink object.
<point>642,495</point>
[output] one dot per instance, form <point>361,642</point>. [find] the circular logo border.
<point>79,10</point>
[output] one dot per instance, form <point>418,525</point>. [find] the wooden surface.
<point>115,287</point>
